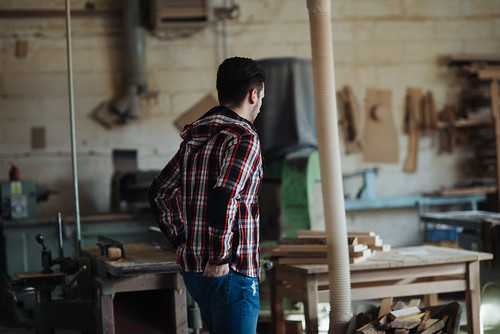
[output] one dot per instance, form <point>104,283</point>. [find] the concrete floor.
<point>7,327</point>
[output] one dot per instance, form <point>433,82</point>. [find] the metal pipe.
<point>59,228</point>
<point>330,164</point>
<point>72,127</point>
<point>134,44</point>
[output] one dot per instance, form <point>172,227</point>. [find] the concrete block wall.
<point>386,44</point>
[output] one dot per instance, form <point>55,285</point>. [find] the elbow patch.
<point>218,203</point>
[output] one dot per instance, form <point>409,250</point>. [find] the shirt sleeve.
<point>163,194</point>
<point>240,159</point>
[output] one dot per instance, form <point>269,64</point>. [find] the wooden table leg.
<point>178,301</point>
<point>473,298</point>
<point>431,299</point>
<point>277,308</point>
<point>311,304</point>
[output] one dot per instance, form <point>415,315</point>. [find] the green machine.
<point>300,192</point>
<point>19,200</point>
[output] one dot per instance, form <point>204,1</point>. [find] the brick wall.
<point>387,44</point>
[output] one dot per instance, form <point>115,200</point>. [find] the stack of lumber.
<point>310,247</point>
<point>475,122</point>
<point>405,320</point>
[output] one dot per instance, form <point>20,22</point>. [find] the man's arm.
<point>163,201</point>
<point>241,159</point>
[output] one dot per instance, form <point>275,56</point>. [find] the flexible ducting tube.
<point>329,157</point>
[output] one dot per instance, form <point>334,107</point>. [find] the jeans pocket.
<point>217,288</point>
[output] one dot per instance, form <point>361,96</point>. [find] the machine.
<point>19,199</point>
<point>99,291</point>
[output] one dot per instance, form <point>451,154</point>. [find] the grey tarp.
<point>287,120</point>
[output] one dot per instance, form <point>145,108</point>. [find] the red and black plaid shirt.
<point>217,172</point>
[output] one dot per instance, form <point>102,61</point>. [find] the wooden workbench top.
<point>402,257</point>
<point>139,259</point>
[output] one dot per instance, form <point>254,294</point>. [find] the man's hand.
<point>216,271</point>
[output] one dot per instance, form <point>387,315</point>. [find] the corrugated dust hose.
<point>329,156</point>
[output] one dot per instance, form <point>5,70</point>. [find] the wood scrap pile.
<point>310,247</point>
<point>473,123</point>
<point>399,318</point>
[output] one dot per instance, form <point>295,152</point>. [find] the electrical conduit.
<point>330,166</point>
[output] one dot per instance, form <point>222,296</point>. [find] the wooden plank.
<point>361,234</point>
<point>425,318</point>
<point>322,234</point>
<point>357,248</point>
<point>279,253</point>
<point>407,323</point>
<point>344,119</point>
<point>473,298</point>
<point>352,110</point>
<point>414,303</point>
<point>414,103</point>
<point>462,123</point>
<point>141,258</point>
<point>432,112</point>
<point>468,191</point>
<point>302,241</point>
<point>303,260</point>
<point>404,312</point>
<point>380,142</point>
<point>461,60</point>
<point>489,74</point>
<point>311,234</point>
<point>385,306</point>
<point>369,328</point>
<point>354,260</point>
<point>495,110</point>
<point>414,289</point>
<point>369,240</point>
<point>402,258</point>
<point>303,248</point>
<point>434,328</point>
<point>277,305</point>
<point>382,248</point>
<point>362,253</point>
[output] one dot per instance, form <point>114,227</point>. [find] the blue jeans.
<point>228,304</point>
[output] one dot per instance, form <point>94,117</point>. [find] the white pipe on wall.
<point>330,166</point>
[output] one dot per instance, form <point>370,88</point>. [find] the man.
<point>217,173</point>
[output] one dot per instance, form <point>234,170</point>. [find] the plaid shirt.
<point>217,172</point>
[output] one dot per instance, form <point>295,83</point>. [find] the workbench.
<point>480,232</point>
<point>141,292</point>
<point>146,269</point>
<point>409,271</point>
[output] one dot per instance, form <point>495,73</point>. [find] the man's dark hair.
<point>236,77</point>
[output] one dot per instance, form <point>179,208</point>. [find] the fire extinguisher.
<point>14,174</point>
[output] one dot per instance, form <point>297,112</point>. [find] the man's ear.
<point>253,96</point>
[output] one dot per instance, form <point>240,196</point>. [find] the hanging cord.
<point>72,126</point>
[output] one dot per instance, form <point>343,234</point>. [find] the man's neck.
<point>241,111</point>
